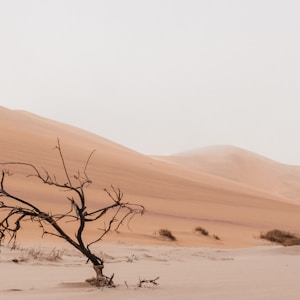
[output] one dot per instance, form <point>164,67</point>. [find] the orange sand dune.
<point>243,166</point>
<point>219,192</point>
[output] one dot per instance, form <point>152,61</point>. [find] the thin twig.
<point>151,281</point>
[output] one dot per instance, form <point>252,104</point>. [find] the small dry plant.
<point>216,237</point>
<point>204,232</point>
<point>201,230</point>
<point>54,255</point>
<point>281,237</point>
<point>166,233</point>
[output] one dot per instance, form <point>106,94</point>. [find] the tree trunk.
<point>101,280</point>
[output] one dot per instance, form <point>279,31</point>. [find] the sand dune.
<point>231,192</point>
<point>243,166</point>
<point>219,190</point>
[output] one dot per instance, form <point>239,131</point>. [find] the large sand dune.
<point>233,193</point>
<point>243,166</point>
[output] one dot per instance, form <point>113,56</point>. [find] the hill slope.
<point>176,195</point>
<point>243,166</point>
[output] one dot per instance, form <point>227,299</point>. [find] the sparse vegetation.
<point>216,237</point>
<point>54,255</point>
<point>281,237</point>
<point>201,230</point>
<point>166,233</point>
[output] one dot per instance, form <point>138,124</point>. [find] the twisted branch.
<point>15,210</point>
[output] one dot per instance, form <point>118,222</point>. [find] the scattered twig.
<point>150,281</point>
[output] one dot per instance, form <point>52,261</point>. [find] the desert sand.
<point>233,193</point>
<point>268,272</point>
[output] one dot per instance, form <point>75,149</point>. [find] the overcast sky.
<point>159,76</point>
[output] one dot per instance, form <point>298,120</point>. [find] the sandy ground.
<point>266,272</point>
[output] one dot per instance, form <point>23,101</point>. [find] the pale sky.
<point>159,76</point>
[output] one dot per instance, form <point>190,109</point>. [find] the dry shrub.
<point>37,254</point>
<point>166,233</point>
<point>216,237</point>
<point>201,230</point>
<point>281,237</point>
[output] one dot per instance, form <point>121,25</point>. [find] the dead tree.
<point>14,211</point>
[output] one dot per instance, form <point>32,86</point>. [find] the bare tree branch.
<point>151,281</point>
<point>63,161</point>
<point>14,211</point>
